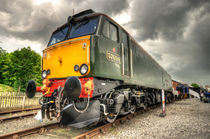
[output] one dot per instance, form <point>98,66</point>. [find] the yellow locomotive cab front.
<point>66,58</point>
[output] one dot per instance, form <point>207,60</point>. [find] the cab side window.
<point>113,32</point>
<point>110,31</point>
<point>106,29</point>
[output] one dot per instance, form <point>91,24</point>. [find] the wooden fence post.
<point>23,105</point>
<point>0,102</point>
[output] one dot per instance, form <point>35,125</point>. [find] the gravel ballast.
<point>20,124</point>
<point>186,119</point>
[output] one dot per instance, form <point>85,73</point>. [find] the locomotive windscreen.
<point>83,27</point>
<point>58,36</point>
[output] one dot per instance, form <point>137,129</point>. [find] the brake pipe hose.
<point>85,109</point>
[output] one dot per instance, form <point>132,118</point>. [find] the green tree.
<point>7,75</point>
<point>23,65</point>
<point>4,61</point>
<point>195,85</point>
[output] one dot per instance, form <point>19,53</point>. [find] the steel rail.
<point>17,116</point>
<point>89,134</point>
<point>104,128</point>
<point>19,110</point>
<point>29,131</point>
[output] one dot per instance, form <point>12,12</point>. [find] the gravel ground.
<point>16,125</point>
<point>186,119</point>
<point>58,133</point>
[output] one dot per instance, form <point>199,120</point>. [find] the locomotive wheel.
<point>111,117</point>
<point>133,109</point>
<point>169,97</point>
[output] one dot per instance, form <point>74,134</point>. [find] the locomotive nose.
<point>72,88</point>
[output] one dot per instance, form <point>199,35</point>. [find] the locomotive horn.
<point>31,89</point>
<point>72,88</point>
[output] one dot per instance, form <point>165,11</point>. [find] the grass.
<point>6,88</point>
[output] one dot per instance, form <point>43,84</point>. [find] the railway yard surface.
<point>189,119</point>
<point>186,119</point>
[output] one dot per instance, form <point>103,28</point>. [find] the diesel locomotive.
<point>94,71</point>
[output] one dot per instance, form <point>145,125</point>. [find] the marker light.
<point>76,67</point>
<point>48,71</point>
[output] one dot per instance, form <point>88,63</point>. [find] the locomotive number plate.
<point>113,57</point>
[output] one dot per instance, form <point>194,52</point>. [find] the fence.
<point>14,100</point>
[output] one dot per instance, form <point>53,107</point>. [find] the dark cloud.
<point>177,30</point>
<point>200,35</point>
<point>167,18</point>
<point>182,27</point>
<point>25,20</point>
<point>109,7</point>
<point>182,59</point>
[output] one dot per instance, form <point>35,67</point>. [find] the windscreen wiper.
<point>62,32</point>
<point>70,21</point>
<point>82,22</point>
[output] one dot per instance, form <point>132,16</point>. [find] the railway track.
<point>29,131</point>
<point>2,119</point>
<point>106,127</point>
<point>4,115</point>
<point>89,134</point>
<point>17,111</point>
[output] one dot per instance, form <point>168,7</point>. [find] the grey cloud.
<point>167,18</point>
<point>200,34</point>
<point>183,28</point>
<point>27,21</point>
<point>23,19</point>
<point>183,60</point>
<point>185,41</point>
<point>109,6</point>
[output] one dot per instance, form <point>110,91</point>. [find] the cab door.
<point>125,54</point>
<point>108,51</point>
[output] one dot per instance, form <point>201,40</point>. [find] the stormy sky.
<point>175,32</point>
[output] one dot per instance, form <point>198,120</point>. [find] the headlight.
<point>83,69</point>
<point>44,74</point>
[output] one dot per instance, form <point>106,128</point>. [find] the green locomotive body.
<point>122,58</point>
<point>93,71</point>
